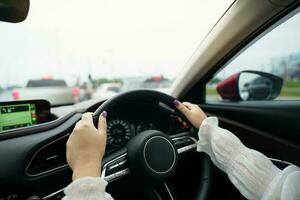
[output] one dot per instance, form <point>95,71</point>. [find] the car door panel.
<point>269,127</point>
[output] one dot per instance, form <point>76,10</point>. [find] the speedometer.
<point>119,132</point>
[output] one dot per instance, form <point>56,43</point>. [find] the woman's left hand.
<point>86,146</point>
<point>192,112</point>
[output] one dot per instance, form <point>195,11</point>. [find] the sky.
<point>70,39</point>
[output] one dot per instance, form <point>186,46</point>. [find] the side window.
<point>267,70</point>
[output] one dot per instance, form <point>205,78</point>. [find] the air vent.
<point>48,158</point>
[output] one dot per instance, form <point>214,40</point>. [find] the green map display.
<point>15,116</point>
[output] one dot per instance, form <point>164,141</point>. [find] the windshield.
<point>94,49</point>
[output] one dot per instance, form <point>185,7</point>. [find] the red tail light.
<point>47,77</point>
<point>75,91</point>
<point>157,78</point>
<point>15,94</point>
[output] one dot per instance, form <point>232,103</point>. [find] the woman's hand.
<point>86,146</point>
<point>192,112</point>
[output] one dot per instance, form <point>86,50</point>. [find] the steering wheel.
<point>151,155</point>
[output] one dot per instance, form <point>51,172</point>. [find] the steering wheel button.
<point>113,166</point>
<point>110,177</point>
<point>121,173</point>
<point>122,162</point>
<point>116,167</point>
<point>183,142</point>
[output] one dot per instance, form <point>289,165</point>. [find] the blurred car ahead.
<point>107,90</point>
<point>55,91</point>
<point>158,83</point>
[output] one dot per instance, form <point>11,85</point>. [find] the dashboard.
<point>40,158</point>
<point>124,121</point>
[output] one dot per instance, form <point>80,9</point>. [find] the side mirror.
<point>13,10</point>
<point>250,85</point>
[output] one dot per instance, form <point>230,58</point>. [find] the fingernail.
<point>176,102</point>
<point>104,114</point>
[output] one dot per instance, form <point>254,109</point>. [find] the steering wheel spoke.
<point>184,142</point>
<point>116,168</point>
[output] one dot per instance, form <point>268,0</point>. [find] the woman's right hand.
<point>86,146</point>
<point>192,112</point>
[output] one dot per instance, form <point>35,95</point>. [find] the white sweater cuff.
<point>87,188</point>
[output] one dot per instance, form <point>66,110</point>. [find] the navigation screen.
<point>15,116</point>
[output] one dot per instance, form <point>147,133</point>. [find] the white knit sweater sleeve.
<point>252,173</point>
<point>88,188</point>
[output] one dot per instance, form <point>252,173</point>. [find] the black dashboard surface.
<point>18,151</point>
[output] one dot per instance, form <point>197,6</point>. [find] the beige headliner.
<point>241,19</point>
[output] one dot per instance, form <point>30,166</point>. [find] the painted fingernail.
<point>176,102</point>
<point>104,114</point>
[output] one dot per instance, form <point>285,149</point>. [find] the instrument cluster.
<point>120,131</point>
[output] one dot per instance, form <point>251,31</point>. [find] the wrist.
<point>88,169</point>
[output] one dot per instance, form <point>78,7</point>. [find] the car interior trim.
<point>169,192</point>
<point>35,154</point>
